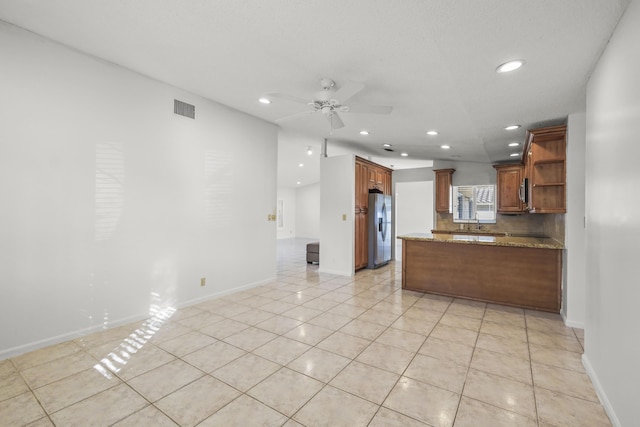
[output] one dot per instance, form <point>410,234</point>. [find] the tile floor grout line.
<point>533,381</point>
<point>31,391</point>
<point>466,376</point>
<point>381,405</point>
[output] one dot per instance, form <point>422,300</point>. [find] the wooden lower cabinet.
<point>362,249</point>
<point>517,276</point>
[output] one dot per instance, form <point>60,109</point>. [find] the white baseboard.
<point>338,273</point>
<point>571,323</point>
<point>600,392</point>
<point>225,292</point>
<point>35,345</point>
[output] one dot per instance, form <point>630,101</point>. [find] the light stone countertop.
<point>522,242</point>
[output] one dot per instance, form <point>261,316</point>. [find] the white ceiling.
<point>432,60</point>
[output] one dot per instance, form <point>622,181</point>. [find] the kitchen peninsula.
<point>512,270</point>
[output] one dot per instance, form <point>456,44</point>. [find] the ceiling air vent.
<point>184,109</point>
<point>388,149</point>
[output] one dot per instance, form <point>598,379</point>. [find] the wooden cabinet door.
<point>386,186</point>
<point>380,179</point>
<point>372,178</point>
<point>443,189</point>
<point>361,243</point>
<point>509,181</point>
<point>362,187</point>
<point>360,215</point>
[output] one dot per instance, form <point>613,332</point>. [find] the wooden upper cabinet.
<point>443,189</point>
<point>387,184</point>
<point>362,187</point>
<point>371,176</point>
<point>380,178</point>
<point>509,178</point>
<point>545,165</point>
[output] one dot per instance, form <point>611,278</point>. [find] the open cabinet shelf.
<point>545,166</point>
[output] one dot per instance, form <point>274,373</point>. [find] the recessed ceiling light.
<point>404,154</point>
<point>364,132</point>
<point>432,132</point>
<point>386,145</point>
<point>309,151</point>
<point>445,147</point>
<point>512,127</point>
<point>298,183</point>
<point>514,144</point>
<point>510,66</point>
<point>514,154</point>
<point>301,165</point>
<point>264,101</point>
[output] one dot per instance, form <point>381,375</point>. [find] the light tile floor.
<point>312,349</point>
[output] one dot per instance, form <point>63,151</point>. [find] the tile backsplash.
<point>551,225</point>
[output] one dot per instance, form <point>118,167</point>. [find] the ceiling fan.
<point>330,102</point>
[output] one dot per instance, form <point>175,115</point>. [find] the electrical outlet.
<point>203,281</point>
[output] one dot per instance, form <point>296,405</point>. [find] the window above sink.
<point>474,204</point>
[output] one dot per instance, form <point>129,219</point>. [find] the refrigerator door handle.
<point>383,220</point>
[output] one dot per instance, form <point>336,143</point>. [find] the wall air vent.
<point>184,109</point>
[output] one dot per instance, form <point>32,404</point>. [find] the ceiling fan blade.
<point>347,90</point>
<point>296,115</point>
<point>287,97</point>
<point>335,120</point>
<point>370,109</point>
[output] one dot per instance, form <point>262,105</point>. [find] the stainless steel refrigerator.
<point>379,230</point>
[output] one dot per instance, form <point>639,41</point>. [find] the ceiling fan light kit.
<point>330,102</point>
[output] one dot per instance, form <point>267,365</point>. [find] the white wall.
<point>414,207</point>
<point>111,203</point>
<point>575,285</point>
<point>613,225</point>
<point>288,197</point>
<point>469,173</point>
<point>337,204</point>
<point>413,211</point>
<point>308,211</point>
<point>408,175</point>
